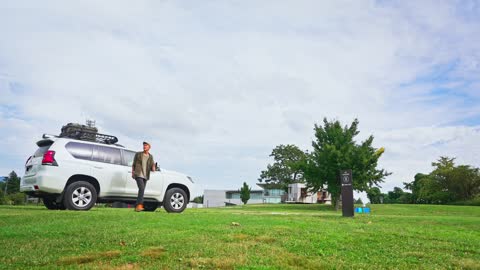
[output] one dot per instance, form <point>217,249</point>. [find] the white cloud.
<point>216,85</point>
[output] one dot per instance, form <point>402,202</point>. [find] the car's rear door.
<point>131,188</point>
<point>108,170</point>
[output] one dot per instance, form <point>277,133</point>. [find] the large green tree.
<point>375,195</point>
<point>285,168</point>
<point>13,183</point>
<point>446,183</point>
<point>461,182</point>
<point>335,149</point>
<point>245,193</point>
<point>395,195</point>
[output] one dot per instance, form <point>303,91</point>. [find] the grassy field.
<point>267,237</point>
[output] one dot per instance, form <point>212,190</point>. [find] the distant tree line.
<point>446,184</point>
<point>10,190</point>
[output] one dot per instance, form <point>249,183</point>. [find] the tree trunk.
<point>336,201</point>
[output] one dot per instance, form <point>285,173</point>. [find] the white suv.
<point>75,174</point>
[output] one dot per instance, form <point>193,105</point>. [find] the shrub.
<point>473,202</point>
<point>15,199</point>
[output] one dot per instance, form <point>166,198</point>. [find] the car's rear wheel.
<point>150,206</point>
<point>80,195</point>
<point>175,200</point>
<point>52,204</point>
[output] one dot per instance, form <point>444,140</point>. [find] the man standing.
<point>142,165</point>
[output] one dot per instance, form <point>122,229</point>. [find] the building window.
<point>274,192</point>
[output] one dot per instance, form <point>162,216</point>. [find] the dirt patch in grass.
<point>127,266</point>
<point>258,239</point>
<point>240,236</point>
<point>153,252</point>
<point>416,254</point>
<point>265,239</point>
<point>216,263</point>
<point>88,258</point>
<point>469,264</point>
<point>285,257</point>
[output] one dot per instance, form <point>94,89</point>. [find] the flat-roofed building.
<point>298,193</point>
<point>270,193</point>
<point>219,198</point>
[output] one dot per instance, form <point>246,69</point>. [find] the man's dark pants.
<point>141,183</point>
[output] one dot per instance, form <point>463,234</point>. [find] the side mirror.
<point>157,168</point>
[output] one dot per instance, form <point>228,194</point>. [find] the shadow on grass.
<point>25,208</point>
<point>285,207</point>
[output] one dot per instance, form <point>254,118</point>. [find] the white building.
<point>271,193</point>
<point>219,198</point>
<point>297,193</point>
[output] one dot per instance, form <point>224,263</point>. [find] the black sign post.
<point>347,193</point>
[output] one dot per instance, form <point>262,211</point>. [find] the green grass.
<point>268,237</point>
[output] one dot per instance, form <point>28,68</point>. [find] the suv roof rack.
<point>92,137</point>
<point>86,133</point>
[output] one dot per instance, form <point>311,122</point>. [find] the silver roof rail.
<point>48,136</point>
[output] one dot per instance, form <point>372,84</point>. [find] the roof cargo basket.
<point>86,133</point>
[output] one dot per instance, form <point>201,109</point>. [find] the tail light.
<point>49,158</point>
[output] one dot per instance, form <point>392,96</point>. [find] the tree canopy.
<point>335,149</point>
<point>285,168</point>
<point>375,195</point>
<point>12,182</point>
<point>245,193</point>
<point>446,183</point>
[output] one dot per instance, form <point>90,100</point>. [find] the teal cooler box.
<point>362,210</point>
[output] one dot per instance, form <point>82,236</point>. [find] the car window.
<point>107,155</point>
<point>80,150</point>
<point>128,157</point>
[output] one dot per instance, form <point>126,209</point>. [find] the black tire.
<point>80,195</point>
<point>52,204</point>
<point>150,206</point>
<point>175,200</point>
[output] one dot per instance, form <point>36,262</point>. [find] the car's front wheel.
<point>80,195</point>
<point>175,200</point>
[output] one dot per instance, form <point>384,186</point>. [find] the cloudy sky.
<point>215,85</point>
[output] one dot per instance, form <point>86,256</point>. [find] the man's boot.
<point>139,207</point>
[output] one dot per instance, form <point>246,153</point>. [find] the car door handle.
<point>97,167</point>
<point>129,171</point>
